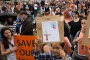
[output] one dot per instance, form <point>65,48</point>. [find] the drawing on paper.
<point>50,31</point>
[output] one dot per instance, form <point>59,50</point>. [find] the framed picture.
<point>50,28</point>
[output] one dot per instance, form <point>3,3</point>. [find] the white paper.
<point>50,31</point>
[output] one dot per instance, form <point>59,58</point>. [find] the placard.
<point>86,38</point>
<point>50,28</point>
<point>81,50</point>
<point>26,45</point>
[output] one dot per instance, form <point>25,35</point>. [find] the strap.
<point>11,44</point>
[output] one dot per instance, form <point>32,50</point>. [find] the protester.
<point>7,46</point>
<point>26,27</point>
<point>56,52</point>
<point>78,39</point>
<point>11,24</point>
<point>47,9</point>
<point>75,24</point>
<point>81,11</point>
<point>18,21</point>
<point>73,12</point>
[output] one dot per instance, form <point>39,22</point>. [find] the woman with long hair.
<point>7,46</point>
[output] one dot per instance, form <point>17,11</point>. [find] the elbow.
<point>3,54</point>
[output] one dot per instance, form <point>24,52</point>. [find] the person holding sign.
<point>77,41</point>
<point>7,46</point>
<point>54,53</point>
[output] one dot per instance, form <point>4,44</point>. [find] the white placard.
<point>50,31</point>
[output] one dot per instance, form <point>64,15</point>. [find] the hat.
<point>23,12</point>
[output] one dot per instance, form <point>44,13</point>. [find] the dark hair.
<point>76,12</point>
<point>84,18</point>
<point>4,39</point>
<point>4,8</point>
<point>9,22</point>
<point>41,48</point>
<point>62,44</point>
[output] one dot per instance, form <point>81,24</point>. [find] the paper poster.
<point>50,31</point>
<point>81,49</point>
<point>26,45</point>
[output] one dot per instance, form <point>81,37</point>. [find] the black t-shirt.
<point>77,2</point>
<point>75,27</point>
<point>47,9</point>
<point>66,31</point>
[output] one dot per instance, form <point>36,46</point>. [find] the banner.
<point>26,45</point>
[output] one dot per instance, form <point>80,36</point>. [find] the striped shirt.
<point>13,27</point>
<point>47,56</point>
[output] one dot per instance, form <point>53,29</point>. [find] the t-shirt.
<point>75,27</point>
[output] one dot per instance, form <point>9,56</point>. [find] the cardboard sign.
<point>81,50</point>
<point>86,38</point>
<point>26,44</point>
<point>50,28</point>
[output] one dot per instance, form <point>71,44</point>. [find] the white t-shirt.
<point>35,6</point>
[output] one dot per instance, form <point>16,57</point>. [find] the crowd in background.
<point>75,14</point>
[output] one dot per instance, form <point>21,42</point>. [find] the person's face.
<point>7,34</point>
<point>75,15</point>
<point>67,5</point>
<point>10,19</point>
<point>79,5</point>
<point>46,5</point>
<point>23,16</point>
<point>83,22</point>
<point>56,49</point>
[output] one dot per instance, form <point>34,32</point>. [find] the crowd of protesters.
<point>75,14</point>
